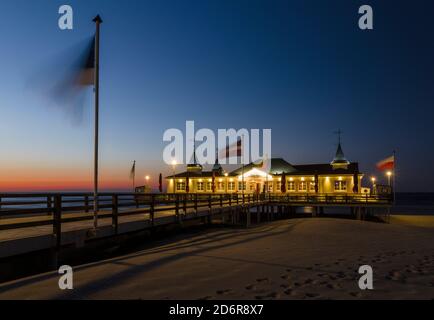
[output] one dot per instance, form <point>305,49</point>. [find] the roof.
<point>279,166</point>
<point>203,174</point>
<point>326,168</point>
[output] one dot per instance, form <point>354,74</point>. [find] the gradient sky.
<point>302,68</point>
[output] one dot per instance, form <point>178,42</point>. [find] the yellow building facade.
<point>338,177</point>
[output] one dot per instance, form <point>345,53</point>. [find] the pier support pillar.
<point>358,213</point>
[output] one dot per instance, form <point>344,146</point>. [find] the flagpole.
<point>394,177</point>
<point>97,21</point>
<point>242,163</point>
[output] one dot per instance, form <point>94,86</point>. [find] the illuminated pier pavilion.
<point>337,177</point>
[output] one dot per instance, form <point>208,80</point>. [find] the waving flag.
<point>232,150</point>
<point>86,70</point>
<point>133,170</point>
<point>160,183</point>
<point>283,183</point>
<point>386,164</point>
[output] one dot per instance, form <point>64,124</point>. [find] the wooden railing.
<point>38,209</point>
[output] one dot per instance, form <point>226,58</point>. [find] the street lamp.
<point>389,175</point>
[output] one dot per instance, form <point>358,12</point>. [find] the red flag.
<point>283,183</point>
<point>160,183</point>
<point>235,148</point>
<point>386,164</point>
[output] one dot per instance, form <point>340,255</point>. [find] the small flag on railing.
<point>283,183</point>
<point>160,183</point>
<point>133,170</point>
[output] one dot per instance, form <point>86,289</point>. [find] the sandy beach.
<point>313,258</point>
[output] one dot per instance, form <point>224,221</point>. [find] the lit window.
<point>340,185</point>
<point>231,186</point>
<point>220,186</point>
<point>291,186</point>
<point>312,186</point>
<point>180,186</point>
<point>200,186</point>
<point>209,186</point>
<point>302,186</point>
<point>241,185</point>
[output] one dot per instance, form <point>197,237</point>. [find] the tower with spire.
<point>217,168</point>
<point>194,167</point>
<point>339,161</point>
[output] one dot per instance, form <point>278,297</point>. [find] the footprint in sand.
<point>261,280</point>
<point>251,287</point>
<point>355,294</point>
<point>311,295</point>
<point>395,276</point>
<point>285,277</point>
<point>290,292</point>
<point>332,286</point>
<point>206,298</point>
<point>272,295</point>
<point>225,291</point>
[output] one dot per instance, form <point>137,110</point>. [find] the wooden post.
<point>195,203</point>
<point>177,208</point>
<point>86,204</point>
<point>57,220</point>
<point>115,211</point>
<point>152,209</point>
<point>208,219</point>
<point>49,205</point>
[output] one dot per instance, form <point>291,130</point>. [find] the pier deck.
<point>31,222</point>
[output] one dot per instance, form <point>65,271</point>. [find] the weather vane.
<point>339,132</point>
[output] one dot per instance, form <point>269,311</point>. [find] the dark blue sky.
<point>302,68</point>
